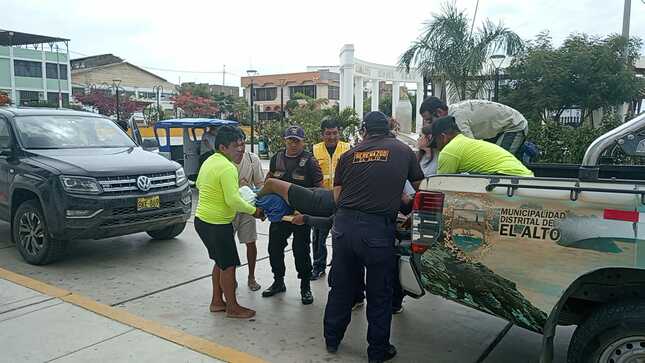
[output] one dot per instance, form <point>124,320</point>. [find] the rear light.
<point>418,248</point>
<point>428,202</point>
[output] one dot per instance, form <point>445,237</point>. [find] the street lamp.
<point>116,83</point>
<point>497,60</point>
<point>282,83</point>
<point>158,89</point>
<point>251,73</point>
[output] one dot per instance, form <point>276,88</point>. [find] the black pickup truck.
<point>76,175</point>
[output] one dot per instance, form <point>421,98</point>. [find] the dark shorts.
<point>219,240</point>
<point>317,202</point>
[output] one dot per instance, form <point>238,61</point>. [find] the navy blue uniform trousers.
<point>360,241</point>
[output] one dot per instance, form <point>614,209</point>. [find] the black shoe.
<point>275,288</point>
<point>389,354</point>
<point>307,297</point>
<point>332,349</point>
<point>315,275</point>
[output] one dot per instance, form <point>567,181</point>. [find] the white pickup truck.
<point>566,247</point>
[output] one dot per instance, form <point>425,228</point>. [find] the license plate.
<point>148,203</point>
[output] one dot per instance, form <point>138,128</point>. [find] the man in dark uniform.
<point>299,167</point>
<point>368,185</point>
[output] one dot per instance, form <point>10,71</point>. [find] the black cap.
<point>376,121</point>
<point>294,132</point>
<point>441,126</point>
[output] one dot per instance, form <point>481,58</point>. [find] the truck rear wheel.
<point>167,232</point>
<point>614,333</point>
<point>31,237</point>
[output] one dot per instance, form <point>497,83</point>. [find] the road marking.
<point>176,336</point>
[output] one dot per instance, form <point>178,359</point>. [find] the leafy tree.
<point>585,72</point>
<point>105,103</point>
<point>196,89</point>
<point>384,105</point>
<point>450,54</point>
<point>195,106</point>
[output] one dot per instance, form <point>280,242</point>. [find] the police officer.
<point>297,166</point>
<point>367,186</point>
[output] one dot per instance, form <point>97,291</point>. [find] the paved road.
<point>168,282</point>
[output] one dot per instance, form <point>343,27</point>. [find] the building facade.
<point>272,92</point>
<point>34,69</point>
<point>107,71</point>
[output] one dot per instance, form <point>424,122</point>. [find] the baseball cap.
<point>294,132</point>
<point>376,121</point>
<point>440,126</point>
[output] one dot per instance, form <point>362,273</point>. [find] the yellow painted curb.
<point>176,336</point>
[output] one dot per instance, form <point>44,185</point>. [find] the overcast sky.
<point>282,36</point>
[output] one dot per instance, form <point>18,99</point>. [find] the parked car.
<point>76,175</point>
<point>566,247</point>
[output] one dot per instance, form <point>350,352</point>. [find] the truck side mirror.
<point>149,144</point>
<point>633,144</point>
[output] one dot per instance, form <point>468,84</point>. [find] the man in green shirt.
<point>461,154</point>
<point>219,201</point>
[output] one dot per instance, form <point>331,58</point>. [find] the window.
<point>264,116</point>
<point>23,68</point>
<point>334,93</point>
<point>28,96</point>
<point>309,91</point>
<point>265,94</point>
<point>5,135</point>
<point>51,70</point>
<point>53,97</point>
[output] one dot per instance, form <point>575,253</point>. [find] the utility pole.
<point>224,76</point>
<point>620,108</point>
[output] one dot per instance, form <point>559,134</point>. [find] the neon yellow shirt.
<point>219,196</point>
<point>466,155</point>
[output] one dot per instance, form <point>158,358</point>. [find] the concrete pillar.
<point>69,74</point>
<point>358,97</point>
<point>12,76</point>
<point>44,70</point>
<point>347,76</point>
<point>396,88</point>
<point>419,121</point>
<point>375,90</point>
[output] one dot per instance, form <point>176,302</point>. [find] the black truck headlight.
<point>79,184</point>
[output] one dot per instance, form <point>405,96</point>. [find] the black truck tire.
<point>30,235</point>
<point>612,333</point>
<point>167,232</point>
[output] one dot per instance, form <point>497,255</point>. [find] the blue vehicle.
<point>185,152</point>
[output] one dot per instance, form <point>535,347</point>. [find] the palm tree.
<point>451,55</point>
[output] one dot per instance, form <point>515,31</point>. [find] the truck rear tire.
<point>31,237</point>
<point>167,232</point>
<point>613,333</point>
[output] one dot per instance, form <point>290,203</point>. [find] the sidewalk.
<point>54,325</point>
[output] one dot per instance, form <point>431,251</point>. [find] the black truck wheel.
<point>614,333</point>
<point>31,237</point>
<point>167,232</point>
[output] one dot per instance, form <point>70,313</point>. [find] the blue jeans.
<point>320,248</point>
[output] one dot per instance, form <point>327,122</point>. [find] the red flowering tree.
<point>4,99</point>
<point>195,106</point>
<point>106,103</point>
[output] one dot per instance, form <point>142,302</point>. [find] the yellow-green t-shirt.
<point>219,196</point>
<point>466,155</point>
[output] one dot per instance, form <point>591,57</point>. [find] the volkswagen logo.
<point>143,183</point>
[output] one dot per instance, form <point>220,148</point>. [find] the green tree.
<point>450,53</point>
<point>585,72</point>
<point>384,105</point>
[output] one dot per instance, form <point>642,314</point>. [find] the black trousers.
<point>361,241</point>
<point>279,232</point>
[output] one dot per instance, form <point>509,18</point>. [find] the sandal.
<point>253,285</point>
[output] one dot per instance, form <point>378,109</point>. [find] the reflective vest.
<point>328,163</point>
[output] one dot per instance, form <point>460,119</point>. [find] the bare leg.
<point>233,309</point>
<point>277,186</point>
<point>217,302</point>
<point>251,257</point>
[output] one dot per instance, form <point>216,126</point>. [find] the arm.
<point>338,178</point>
<point>447,164</point>
<point>271,168</point>
<point>316,172</point>
<point>232,196</point>
<point>337,190</point>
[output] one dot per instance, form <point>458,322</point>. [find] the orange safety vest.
<point>328,163</point>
